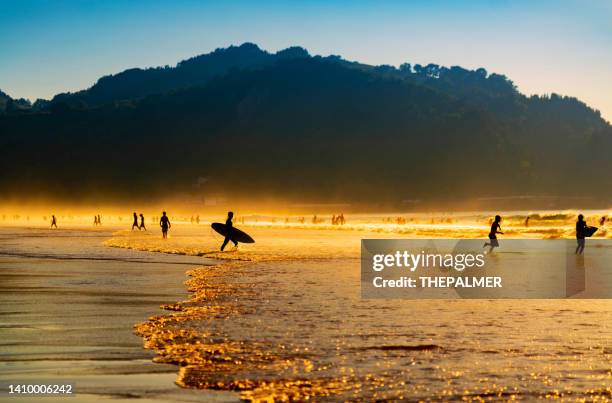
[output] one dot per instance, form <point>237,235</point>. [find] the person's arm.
<point>500,230</point>
<point>169,225</point>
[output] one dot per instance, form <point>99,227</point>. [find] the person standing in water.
<point>142,225</point>
<point>164,223</point>
<point>581,228</point>
<point>229,226</point>
<point>495,229</point>
<point>53,222</point>
<point>135,223</point>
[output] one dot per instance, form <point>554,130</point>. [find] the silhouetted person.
<point>164,223</point>
<point>229,227</point>
<point>197,219</point>
<point>99,220</point>
<point>142,225</point>
<point>95,220</point>
<point>602,221</point>
<point>135,223</point>
<point>581,228</point>
<point>495,229</point>
<point>53,222</point>
<point>527,221</point>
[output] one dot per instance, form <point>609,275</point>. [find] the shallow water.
<point>67,308</point>
<point>283,319</point>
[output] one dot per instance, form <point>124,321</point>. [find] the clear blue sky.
<point>544,46</point>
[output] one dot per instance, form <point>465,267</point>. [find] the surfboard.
<point>589,231</point>
<point>237,235</point>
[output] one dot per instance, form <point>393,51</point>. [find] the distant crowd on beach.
<point>582,229</point>
<point>140,226</point>
<point>338,219</point>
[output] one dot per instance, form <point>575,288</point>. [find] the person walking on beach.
<point>142,225</point>
<point>53,222</point>
<point>495,229</point>
<point>581,228</point>
<point>95,220</point>
<point>229,227</point>
<point>135,223</point>
<point>164,223</point>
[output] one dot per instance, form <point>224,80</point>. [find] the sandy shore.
<point>284,319</point>
<point>68,306</point>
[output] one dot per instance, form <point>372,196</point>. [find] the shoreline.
<point>69,313</point>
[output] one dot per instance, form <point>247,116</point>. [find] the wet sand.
<point>68,306</point>
<point>283,319</point>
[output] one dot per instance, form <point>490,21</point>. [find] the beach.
<point>283,319</point>
<point>68,306</point>
<point>280,319</point>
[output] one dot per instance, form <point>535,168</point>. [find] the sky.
<point>544,46</point>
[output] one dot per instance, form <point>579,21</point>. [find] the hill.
<point>289,126</point>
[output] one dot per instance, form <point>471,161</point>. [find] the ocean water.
<point>283,319</point>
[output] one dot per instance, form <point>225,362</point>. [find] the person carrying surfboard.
<point>582,231</point>
<point>229,231</point>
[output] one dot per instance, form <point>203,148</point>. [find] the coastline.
<point>68,311</point>
<point>266,322</point>
<point>285,320</point>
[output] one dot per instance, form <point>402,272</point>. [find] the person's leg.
<point>235,242</point>
<point>225,241</point>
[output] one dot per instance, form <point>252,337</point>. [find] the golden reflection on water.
<point>273,331</point>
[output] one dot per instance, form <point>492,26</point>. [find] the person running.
<point>135,223</point>
<point>229,229</point>
<point>53,222</point>
<point>495,229</point>
<point>164,223</point>
<point>581,228</point>
<point>142,224</point>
